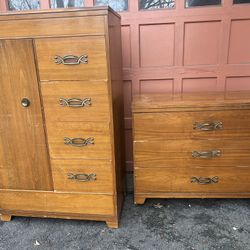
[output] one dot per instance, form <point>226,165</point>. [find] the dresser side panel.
<point>116,90</point>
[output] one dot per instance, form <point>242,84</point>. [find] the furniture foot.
<point>112,224</point>
<point>5,217</point>
<point>139,200</point>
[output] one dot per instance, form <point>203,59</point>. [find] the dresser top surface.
<point>191,101</point>
<point>87,11</point>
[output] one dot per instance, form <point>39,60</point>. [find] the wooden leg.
<point>112,224</point>
<point>139,200</point>
<point>5,217</point>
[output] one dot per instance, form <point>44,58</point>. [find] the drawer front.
<point>53,27</point>
<point>79,140</point>
<point>82,176</point>
<point>180,125</point>
<point>57,202</point>
<point>76,101</point>
<point>188,153</point>
<point>79,58</point>
<point>196,180</point>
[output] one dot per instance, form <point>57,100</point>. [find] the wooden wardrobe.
<point>61,140</point>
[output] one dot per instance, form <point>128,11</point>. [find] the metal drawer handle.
<point>71,59</point>
<point>206,154</point>
<point>82,177</point>
<point>78,142</point>
<point>204,180</point>
<point>208,126</point>
<point>75,102</point>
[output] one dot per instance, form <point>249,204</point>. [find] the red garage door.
<point>175,45</point>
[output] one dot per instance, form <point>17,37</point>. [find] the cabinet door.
<point>24,161</point>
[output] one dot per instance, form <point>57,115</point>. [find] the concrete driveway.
<point>160,224</point>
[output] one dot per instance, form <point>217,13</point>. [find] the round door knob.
<point>25,102</point>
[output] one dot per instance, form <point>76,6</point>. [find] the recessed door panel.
<point>24,162</point>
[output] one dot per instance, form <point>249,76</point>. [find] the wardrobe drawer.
<point>78,58</point>
<point>82,176</point>
<point>196,180</point>
<point>79,140</point>
<point>76,101</point>
<point>69,204</point>
<point>35,27</point>
<point>188,153</point>
<point>179,125</point>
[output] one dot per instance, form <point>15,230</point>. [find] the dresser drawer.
<point>196,180</point>
<point>179,125</point>
<point>188,153</point>
<point>79,140</point>
<point>82,176</point>
<point>78,58</point>
<point>76,101</point>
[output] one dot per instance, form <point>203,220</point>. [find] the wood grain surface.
<point>113,41</point>
<point>47,27</point>
<point>101,149</point>
<point>57,202</point>
<point>191,101</point>
<point>178,153</point>
<point>179,125</point>
<point>231,180</point>
<point>102,169</point>
<point>92,46</point>
<point>22,133</point>
<point>98,111</point>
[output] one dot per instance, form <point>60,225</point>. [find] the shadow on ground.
<point>177,224</point>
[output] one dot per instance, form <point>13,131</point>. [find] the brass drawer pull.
<point>75,102</point>
<point>208,126</point>
<point>82,177</point>
<point>206,154</point>
<point>71,60</point>
<point>204,180</point>
<point>78,142</point>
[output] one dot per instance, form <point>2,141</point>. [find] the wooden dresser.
<point>192,146</point>
<point>61,130</point>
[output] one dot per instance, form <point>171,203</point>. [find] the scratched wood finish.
<point>98,111</point>
<point>164,139</point>
<point>191,101</point>
<point>178,153</point>
<point>95,32</point>
<point>179,125</point>
<point>234,180</point>
<point>102,170</point>
<point>21,129</point>
<point>92,46</point>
